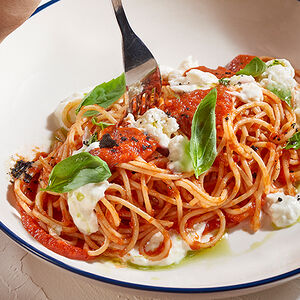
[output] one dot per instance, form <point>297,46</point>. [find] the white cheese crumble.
<point>179,159</point>
<point>82,203</point>
<point>60,108</point>
<point>156,123</point>
<point>194,79</point>
<point>177,252</point>
<point>284,210</point>
<point>279,72</point>
<point>85,148</point>
<point>246,88</point>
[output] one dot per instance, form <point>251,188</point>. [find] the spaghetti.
<point>144,197</point>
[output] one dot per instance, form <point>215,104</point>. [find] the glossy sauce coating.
<point>184,107</point>
<point>123,144</point>
<point>50,242</point>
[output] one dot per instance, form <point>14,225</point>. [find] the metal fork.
<point>142,74</point>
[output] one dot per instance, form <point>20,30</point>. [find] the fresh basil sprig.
<point>254,68</point>
<point>203,134</point>
<point>105,94</point>
<point>76,171</point>
<point>102,125</point>
<point>282,92</point>
<point>293,142</point>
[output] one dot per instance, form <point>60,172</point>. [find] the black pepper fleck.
<point>124,138</point>
<point>107,141</point>
<point>254,148</point>
<point>134,139</point>
<point>20,168</point>
<point>279,199</point>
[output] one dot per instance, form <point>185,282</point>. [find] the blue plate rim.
<point>125,284</point>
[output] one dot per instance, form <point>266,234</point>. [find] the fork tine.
<point>138,101</point>
<point>141,69</point>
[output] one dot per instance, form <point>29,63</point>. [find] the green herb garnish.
<point>293,142</point>
<point>203,150</point>
<point>76,171</point>
<point>224,81</point>
<point>105,94</point>
<point>92,139</point>
<point>102,125</point>
<point>254,68</point>
<point>282,92</point>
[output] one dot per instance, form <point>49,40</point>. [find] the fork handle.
<point>121,18</point>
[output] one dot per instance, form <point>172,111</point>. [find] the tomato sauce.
<point>220,72</point>
<point>239,62</point>
<point>183,108</point>
<point>123,144</point>
<point>53,244</point>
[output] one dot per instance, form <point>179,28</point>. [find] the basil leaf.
<point>90,113</point>
<point>224,81</point>
<point>203,150</point>
<point>282,92</point>
<point>254,68</point>
<point>105,94</point>
<point>76,171</point>
<point>102,125</point>
<point>293,142</point>
<point>92,139</point>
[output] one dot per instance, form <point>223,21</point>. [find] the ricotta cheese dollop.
<point>279,72</point>
<point>284,210</point>
<point>179,160</point>
<point>194,79</point>
<point>246,88</point>
<point>177,252</point>
<point>58,113</point>
<point>156,123</point>
<point>82,203</point>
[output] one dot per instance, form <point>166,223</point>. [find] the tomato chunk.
<point>183,108</point>
<point>239,62</point>
<point>123,144</point>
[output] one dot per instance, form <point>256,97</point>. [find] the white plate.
<point>74,44</point>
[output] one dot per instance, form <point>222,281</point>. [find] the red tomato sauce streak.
<point>58,246</point>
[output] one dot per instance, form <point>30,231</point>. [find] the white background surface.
<point>24,276</point>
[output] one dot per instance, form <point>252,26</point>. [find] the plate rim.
<point>127,284</point>
<point>144,287</point>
